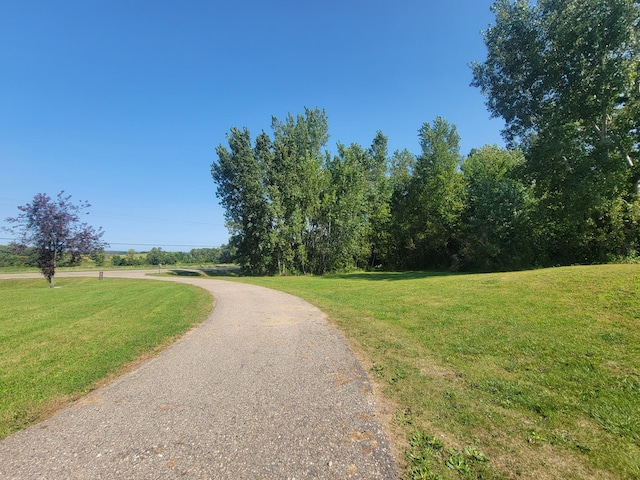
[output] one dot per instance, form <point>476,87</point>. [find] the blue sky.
<point>122,102</point>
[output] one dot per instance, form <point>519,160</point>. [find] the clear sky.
<point>122,102</point>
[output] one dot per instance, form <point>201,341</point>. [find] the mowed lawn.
<point>530,374</point>
<point>57,344</point>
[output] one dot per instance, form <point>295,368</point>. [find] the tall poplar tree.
<point>434,197</point>
<point>379,190</point>
<point>243,195</point>
<point>400,241</point>
<point>345,211</point>
<point>296,177</point>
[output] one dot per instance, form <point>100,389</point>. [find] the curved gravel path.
<point>266,388</point>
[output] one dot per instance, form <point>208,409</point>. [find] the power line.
<point>142,244</point>
<point>158,244</point>
<point>153,220</point>
<point>135,218</point>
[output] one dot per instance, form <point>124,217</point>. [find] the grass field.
<point>510,375</point>
<point>57,344</point>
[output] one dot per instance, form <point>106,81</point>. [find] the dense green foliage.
<point>56,343</point>
<point>10,257</point>
<point>500,375</point>
<point>290,207</point>
<point>565,77</point>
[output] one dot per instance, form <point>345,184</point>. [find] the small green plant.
<point>475,455</point>
<point>404,416</point>
<point>398,375</point>
<point>426,456</point>
<point>423,451</point>
<point>458,461</point>
<point>422,473</point>
<point>535,437</point>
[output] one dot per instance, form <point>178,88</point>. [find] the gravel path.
<point>266,388</point>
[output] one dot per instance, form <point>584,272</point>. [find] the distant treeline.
<point>26,257</point>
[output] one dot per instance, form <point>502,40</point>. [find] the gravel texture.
<point>266,388</point>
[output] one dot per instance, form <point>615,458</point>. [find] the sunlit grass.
<point>539,371</point>
<point>55,344</point>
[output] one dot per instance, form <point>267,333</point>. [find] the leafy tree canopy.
<point>565,77</point>
<point>561,61</point>
<point>53,227</point>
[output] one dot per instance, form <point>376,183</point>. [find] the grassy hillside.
<point>530,374</point>
<point>55,344</point>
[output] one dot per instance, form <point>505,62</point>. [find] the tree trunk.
<point>47,264</point>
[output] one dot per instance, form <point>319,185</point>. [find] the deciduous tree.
<point>434,197</point>
<point>344,220</point>
<point>53,227</point>
<point>242,192</point>
<point>565,77</point>
<point>296,178</point>
<point>379,191</point>
<point>496,220</point>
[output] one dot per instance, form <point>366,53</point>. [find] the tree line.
<point>157,256</point>
<point>10,256</point>
<point>565,77</point>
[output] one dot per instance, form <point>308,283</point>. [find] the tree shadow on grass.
<point>235,271</point>
<point>179,272</point>
<point>217,271</point>
<point>222,271</point>
<point>392,276</point>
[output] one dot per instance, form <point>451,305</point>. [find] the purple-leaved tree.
<point>53,227</point>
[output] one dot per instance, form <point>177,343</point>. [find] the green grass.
<point>511,375</point>
<point>57,344</point>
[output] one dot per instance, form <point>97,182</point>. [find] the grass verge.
<point>58,344</point>
<point>510,375</point>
